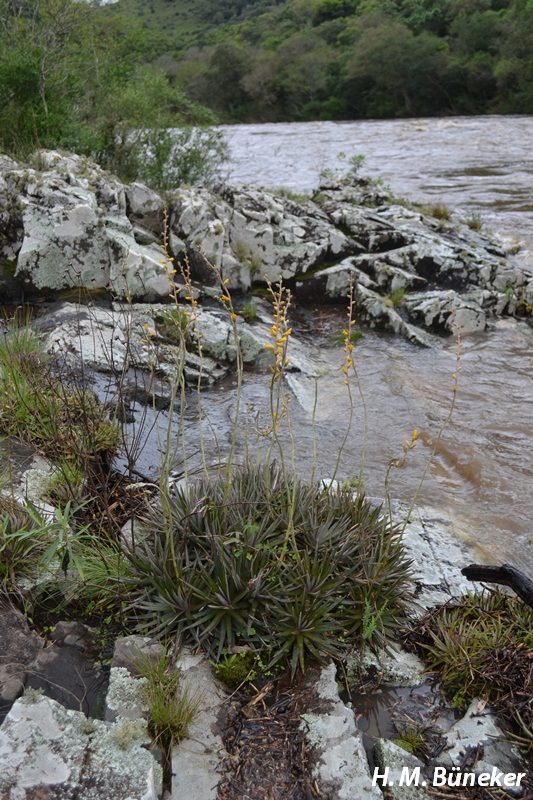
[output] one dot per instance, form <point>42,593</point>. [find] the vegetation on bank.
<point>269,60</point>
<point>259,569</point>
<point>481,646</point>
<point>248,556</point>
<point>109,81</point>
<point>79,76</point>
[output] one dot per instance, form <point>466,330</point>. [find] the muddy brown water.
<point>482,474</point>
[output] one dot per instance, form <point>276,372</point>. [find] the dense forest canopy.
<point>109,79</point>
<point>266,60</point>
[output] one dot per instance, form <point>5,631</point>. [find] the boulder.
<point>19,648</point>
<point>49,751</point>
<point>252,235</point>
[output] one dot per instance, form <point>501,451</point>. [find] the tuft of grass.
<point>248,312</point>
<point>438,211</point>
<point>67,423</point>
<point>396,298</point>
<point>483,647</point>
<point>475,223</point>
<point>171,707</point>
<point>22,541</point>
<point>339,338</point>
<point>173,325</point>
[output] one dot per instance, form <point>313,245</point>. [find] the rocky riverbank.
<point>67,225</point>
<point>70,233</point>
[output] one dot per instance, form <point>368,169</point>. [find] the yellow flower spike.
<point>343,369</point>
<point>233,316</point>
<point>226,281</point>
<point>414,437</point>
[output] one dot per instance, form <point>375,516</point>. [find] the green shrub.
<point>67,422</point>
<point>483,647</point>
<point>267,561</point>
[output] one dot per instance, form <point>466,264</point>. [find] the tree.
<point>70,77</point>
<point>397,72</point>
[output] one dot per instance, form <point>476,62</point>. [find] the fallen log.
<point>506,575</point>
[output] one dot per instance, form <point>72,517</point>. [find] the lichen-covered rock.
<point>114,339</point>
<point>47,751</point>
<point>66,223</point>
<point>337,752</point>
<point>251,234</point>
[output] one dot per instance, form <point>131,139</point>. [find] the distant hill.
<point>262,60</point>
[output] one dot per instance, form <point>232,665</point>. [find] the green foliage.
<point>482,647</point>
<point>71,77</point>
<point>396,298</point>
<point>248,312</point>
<point>236,669</point>
<point>68,423</point>
<point>475,223</point>
<point>343,59</point>
<point>171,708</point>
<point>22,542</point>
<point>438,211</point>
<point>267,561</point>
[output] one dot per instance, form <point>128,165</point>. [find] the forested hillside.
<point>109,80</point>
<point>344,59</point>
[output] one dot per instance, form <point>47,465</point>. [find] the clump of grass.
<point>245,256</point>
<point>411,738</point>
<point>65,422</point>
<point>171,707</point>
<point>173,325</point>
<point>475,223</point>
<point>264,560</point>
<point>339,337</point>
<point>396,298</point>
<point>22,541</point>
<point>248,312</point>
<point>438,211</point>
<point>236,669</point>
<point>483,647</point>
<point>297,197</point>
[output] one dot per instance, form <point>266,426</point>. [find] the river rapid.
<point>482,471</point>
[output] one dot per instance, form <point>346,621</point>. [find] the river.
<point>482,472</point>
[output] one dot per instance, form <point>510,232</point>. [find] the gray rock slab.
<point>19,647</point>
<point>396,668</point>
<point>403,772</point>
<point>196,760</point>
<point>479,727</point>
<point>438,554</point>
<point>48,751</point>
<point>340,762</point>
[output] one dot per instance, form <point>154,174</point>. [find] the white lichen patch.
<point>125,696</point>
